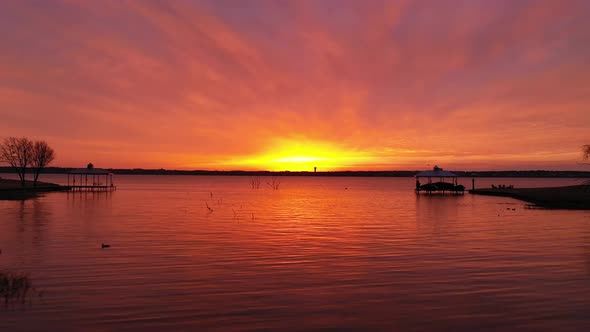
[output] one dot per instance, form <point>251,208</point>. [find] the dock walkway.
<point>92,188</point>
<point>569,197</point>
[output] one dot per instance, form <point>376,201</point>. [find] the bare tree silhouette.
<point>43,154</point>
<point>18,153</point>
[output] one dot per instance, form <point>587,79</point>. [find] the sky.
<point>292,85</point>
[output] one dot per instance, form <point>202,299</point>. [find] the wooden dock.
<point>91,179</point>
<point>92,188</point>
<point>440,187</point>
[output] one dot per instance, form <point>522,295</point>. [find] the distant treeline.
<point>139,171</point>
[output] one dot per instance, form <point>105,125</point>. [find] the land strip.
<point>569,197</point>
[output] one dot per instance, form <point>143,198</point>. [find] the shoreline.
<point>12,189</point>
<point>568,197</point>
<point>341,173</point>
<point>565,197</point>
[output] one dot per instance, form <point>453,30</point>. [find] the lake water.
<point>203,253</point>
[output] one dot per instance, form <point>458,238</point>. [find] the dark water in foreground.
<point>312,255</point>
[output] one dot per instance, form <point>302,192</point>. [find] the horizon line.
<point>139,169</point>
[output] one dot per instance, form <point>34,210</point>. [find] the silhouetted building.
<point>440,185</point>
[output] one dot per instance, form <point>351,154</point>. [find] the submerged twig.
<point>274,183</point>
<point>255,182</point>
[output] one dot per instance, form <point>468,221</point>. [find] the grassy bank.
<point>11,185</point>
<point>12,189</point>
<point>569,197</point>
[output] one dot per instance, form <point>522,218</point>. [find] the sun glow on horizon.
<point>303,155</point>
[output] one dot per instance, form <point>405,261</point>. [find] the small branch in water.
<point>274,183</point>
<point>208,207</point>
<point>255,182</point>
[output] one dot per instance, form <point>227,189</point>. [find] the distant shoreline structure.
<point>401,173</point>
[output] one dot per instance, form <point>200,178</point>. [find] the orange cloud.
<point>344,84</point>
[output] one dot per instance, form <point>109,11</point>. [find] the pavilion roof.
<point>90,171</point>
<point>437,172</point>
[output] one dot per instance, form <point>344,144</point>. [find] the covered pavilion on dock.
<point>90,179</point>
<point>439,186</point>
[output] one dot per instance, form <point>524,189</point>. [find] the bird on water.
<point>105,245</point>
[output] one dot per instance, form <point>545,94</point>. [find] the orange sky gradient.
<point>289,85</point>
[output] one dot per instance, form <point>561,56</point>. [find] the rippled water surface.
<point>211,253</point>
